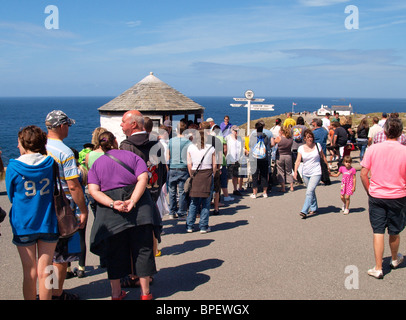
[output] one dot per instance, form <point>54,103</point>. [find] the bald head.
<point>132,121</point>
<point>133,113</point>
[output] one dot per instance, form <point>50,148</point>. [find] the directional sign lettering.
<point>252,100</point>
<point>262,107</point>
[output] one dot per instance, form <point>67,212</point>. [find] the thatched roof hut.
<point>153,98</point>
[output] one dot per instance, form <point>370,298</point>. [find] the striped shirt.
<point>65,158</point>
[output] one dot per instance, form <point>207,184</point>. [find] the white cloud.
<point>133,24</point>
<point>229,33</point>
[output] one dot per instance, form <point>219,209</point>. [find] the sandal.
<point>66,296</point>
<point>303,215</point>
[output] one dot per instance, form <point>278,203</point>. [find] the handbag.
<point>188,183</point>
<point>162,203</point>
<point>325,176</point>
<point>67,221</point>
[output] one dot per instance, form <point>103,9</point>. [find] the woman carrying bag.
<point>201,157</point>
<point>311,171</point>
<point>127,218</point>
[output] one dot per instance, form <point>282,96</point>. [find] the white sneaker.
<point>346,211</point>
<point>265,195</point>
<point>205,230</point>
<point>253,196</point>
<point>228,198</point>
<point>397,262</point>
<point>377,274</point>
<point>342,208</point>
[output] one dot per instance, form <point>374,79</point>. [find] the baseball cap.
<point>57,118</point>
<point>234,128</point>
<point>209,119</point>
<point>168,123</point>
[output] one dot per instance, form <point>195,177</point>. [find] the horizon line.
<point>208,96</point>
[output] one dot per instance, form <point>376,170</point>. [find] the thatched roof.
<point>152,95</point>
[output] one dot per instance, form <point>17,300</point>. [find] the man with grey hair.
<point>146,146</point>
<point>150,150</point>
<point>385,164</point>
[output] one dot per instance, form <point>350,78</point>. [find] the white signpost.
<point>249,97</point>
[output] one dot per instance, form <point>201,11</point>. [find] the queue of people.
<point>131,177</point>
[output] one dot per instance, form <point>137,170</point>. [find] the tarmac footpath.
<point>258,249</point>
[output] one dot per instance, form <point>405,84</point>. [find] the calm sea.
<point>16,113</point>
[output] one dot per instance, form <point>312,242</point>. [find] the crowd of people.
<point>181,171</point>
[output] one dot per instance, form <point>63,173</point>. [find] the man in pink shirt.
<point>386,188</point>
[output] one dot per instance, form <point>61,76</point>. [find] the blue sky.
<point>293,48</point>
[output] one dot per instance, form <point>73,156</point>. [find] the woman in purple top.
<point>122,233</point>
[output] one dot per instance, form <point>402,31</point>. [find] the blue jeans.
<point>204,213</point>
<point>310,203</point>
<point>204,205</point>
<point>362,145</point>
<point>176,179</point>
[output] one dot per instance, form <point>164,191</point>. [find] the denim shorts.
<point>30,239</point>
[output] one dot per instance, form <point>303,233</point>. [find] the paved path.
<point>258,249</point>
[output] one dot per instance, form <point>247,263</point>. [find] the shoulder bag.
<point>67,221</point>
<point>120,162</point>
<point>325,176</point>
<point>188,183</point>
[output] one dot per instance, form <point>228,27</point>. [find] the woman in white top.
<point>310,171</point>
<point>202,186</point>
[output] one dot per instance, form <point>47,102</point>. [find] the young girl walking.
<point>348,182</point>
